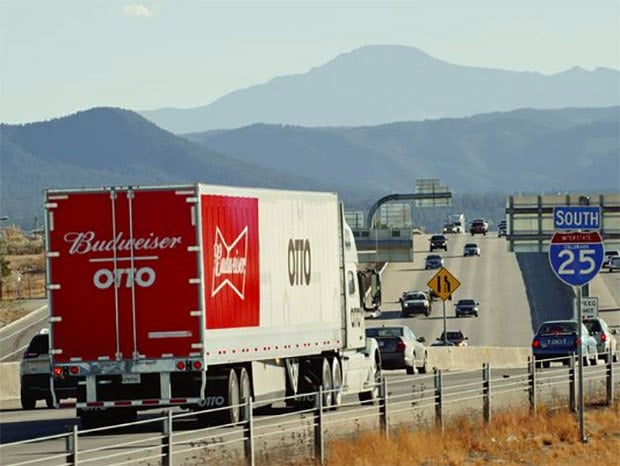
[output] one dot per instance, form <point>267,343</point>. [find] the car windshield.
<point>437,238</point>
<point>471,245</point>
<point>416,296</point>
<point>384,332</point>
<point>558,327</point>
<point>433,258</point>
<point>453,336</point>
<point>467,302</point>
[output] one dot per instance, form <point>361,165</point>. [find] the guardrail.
<point>417,401</point>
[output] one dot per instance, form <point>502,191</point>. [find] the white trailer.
<point>203,296</point>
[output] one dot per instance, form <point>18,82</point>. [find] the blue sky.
<point>62,56</point>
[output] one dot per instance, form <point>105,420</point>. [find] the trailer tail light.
<point>535,344</point>
<point>74,370</point>
<point>400,346</point>
<point>57,371</point>
<point>197,365</point>
<point>181,365</point>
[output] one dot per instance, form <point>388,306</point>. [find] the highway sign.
<point>443,283</point>
<point>589,307</point>
<point>576,257</point>
<point>576,218</point>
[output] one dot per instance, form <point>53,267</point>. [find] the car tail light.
<point>603,337</point>
<point>400,346</point>
<point>535,344</point>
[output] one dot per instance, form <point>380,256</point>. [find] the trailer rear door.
<point>123,274</point>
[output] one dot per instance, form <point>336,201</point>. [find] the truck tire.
<point>326,383</point>
<point>371,397</point>
<point>423,368</point>
<point>231,415</point>
<point>28,400</point>
<point>336,382</point>
<point>245,392</point>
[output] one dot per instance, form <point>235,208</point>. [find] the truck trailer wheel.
<point>245,392</point>
<point>336,383</point>
<point>231,415</point>
<point>326,383</point>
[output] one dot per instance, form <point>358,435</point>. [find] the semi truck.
<point>203,296</point>
<point>458,221</point>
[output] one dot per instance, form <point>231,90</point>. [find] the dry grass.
<point>512,438</point>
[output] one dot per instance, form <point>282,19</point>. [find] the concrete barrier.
<point>472,357</point>
<point>9,381</point>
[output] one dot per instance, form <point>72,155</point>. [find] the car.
<point>433,261</point>
<point>466,307</point>
<point>606,343</point>
<point>450,228</point>
<point>609,255</point>
<point>400,348</point>
<point>438,242</point>
<point>613,264</point>
<point>471,249</point>
<point>456,337</point>
<point>415,302</point>
<point>479,226</point>
<point>559,339</point>
<point>35,371</point>
<point>501,228</point>
<point>442,343</point>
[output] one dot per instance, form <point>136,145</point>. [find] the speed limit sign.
<point>576,258</point>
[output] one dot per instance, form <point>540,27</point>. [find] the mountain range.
<point>524,150</point>
<point>378,84</point>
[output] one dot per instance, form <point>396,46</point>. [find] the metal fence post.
<point>319,450</point>
<point>71,443</point>
<point>610,378</point>
<point>384,422</point>
<point>486,392</point>
<point>531,365</point>
<point>166,441</point>
<point>438,398</point>
<point>249,433</point>
<point>572,385</point>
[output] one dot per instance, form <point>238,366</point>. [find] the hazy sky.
<point>61,56</point>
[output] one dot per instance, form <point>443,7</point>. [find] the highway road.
<point>516,292</point>
<point>14,338</point>
<point>494,279</point>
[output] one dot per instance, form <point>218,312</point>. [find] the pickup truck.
<point>479,226</point>
<point>415,302</point>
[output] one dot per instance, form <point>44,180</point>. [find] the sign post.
<point>444,284</point>
<point>576,257</point>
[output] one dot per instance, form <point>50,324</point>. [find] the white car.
<point>471,249</point>
<point>613,263</point>
<point>605,340</point>
<point>609,255</point>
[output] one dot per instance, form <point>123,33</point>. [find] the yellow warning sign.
<point>443,283</point>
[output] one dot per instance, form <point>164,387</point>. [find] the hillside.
<point>379,84</point>
<point>524,150</point>
<point>108,146</point>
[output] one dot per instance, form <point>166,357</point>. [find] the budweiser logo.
<point>229,263</point>
<point>87,242</point>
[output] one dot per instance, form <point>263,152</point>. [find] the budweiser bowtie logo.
<point>229,263</point>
